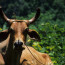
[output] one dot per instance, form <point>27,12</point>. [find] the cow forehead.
<point>18,25</point>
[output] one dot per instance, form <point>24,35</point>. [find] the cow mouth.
<point>19,48</point>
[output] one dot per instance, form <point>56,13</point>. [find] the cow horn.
<point>2,14</point>
<point>35,17</point>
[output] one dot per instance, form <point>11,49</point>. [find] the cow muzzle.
<point>18,45</point>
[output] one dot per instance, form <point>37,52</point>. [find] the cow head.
<point>18,30</point>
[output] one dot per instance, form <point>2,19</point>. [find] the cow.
<point>13,50</point>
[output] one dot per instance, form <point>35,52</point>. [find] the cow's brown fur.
<point>28,59</point>
<point>18,30</point>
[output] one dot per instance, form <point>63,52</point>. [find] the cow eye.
<point>26,30</point>
<point>11,30</point>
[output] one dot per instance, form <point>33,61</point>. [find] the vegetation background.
<point>50,25</point>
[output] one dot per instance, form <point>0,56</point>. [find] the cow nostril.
<point>18,43</point>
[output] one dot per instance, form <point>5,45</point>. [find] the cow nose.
<point>18,43</point>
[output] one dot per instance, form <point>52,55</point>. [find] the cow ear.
<point>34,35</point>
<point>3,35</point>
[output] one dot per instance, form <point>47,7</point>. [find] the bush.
<point>52,42</point>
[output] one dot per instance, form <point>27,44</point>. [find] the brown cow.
<point>13,50</point>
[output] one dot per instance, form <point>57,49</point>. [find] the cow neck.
<point>12,57</point>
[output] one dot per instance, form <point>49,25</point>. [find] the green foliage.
<point>52,34</point>
<point>52,42</point>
